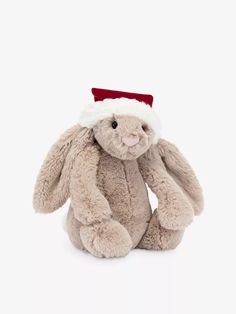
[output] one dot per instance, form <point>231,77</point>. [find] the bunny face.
<point>124,137</point>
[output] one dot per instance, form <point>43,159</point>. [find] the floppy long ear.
<point>181,172</point>
<point>52,185</point>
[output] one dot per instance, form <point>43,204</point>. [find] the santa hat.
<point>109,102</point>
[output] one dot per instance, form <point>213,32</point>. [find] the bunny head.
<point>124,128</point>
<point>123,137</point>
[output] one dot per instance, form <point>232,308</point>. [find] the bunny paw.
<point>176,216</point>
<point>106,239</point>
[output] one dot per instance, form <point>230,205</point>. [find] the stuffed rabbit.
<point>103,164</point>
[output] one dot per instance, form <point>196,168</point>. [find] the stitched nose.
<point>131,140</point>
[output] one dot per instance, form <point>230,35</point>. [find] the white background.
<point>51,54</point>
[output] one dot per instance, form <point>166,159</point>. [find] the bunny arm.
<point>175,211</point>
<point>88,203</point>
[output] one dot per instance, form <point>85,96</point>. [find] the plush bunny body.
<point>104,170</point>
<point>122,185</point>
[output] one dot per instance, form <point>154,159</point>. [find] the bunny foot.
<point>158,238</point>
<point>106,239</point>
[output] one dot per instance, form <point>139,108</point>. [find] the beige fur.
<point>110,212</point>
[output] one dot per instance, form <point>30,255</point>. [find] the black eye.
<point>114,124</point>
<point>145,128</point>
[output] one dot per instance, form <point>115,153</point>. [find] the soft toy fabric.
<point>103,164</point>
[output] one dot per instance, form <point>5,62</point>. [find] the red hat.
<point>101,94</point>
<point>110,102</point>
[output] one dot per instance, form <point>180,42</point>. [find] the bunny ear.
<point>52,185</point>
<point>181,172</point>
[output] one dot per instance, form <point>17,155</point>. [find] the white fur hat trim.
<point>99,110</point>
